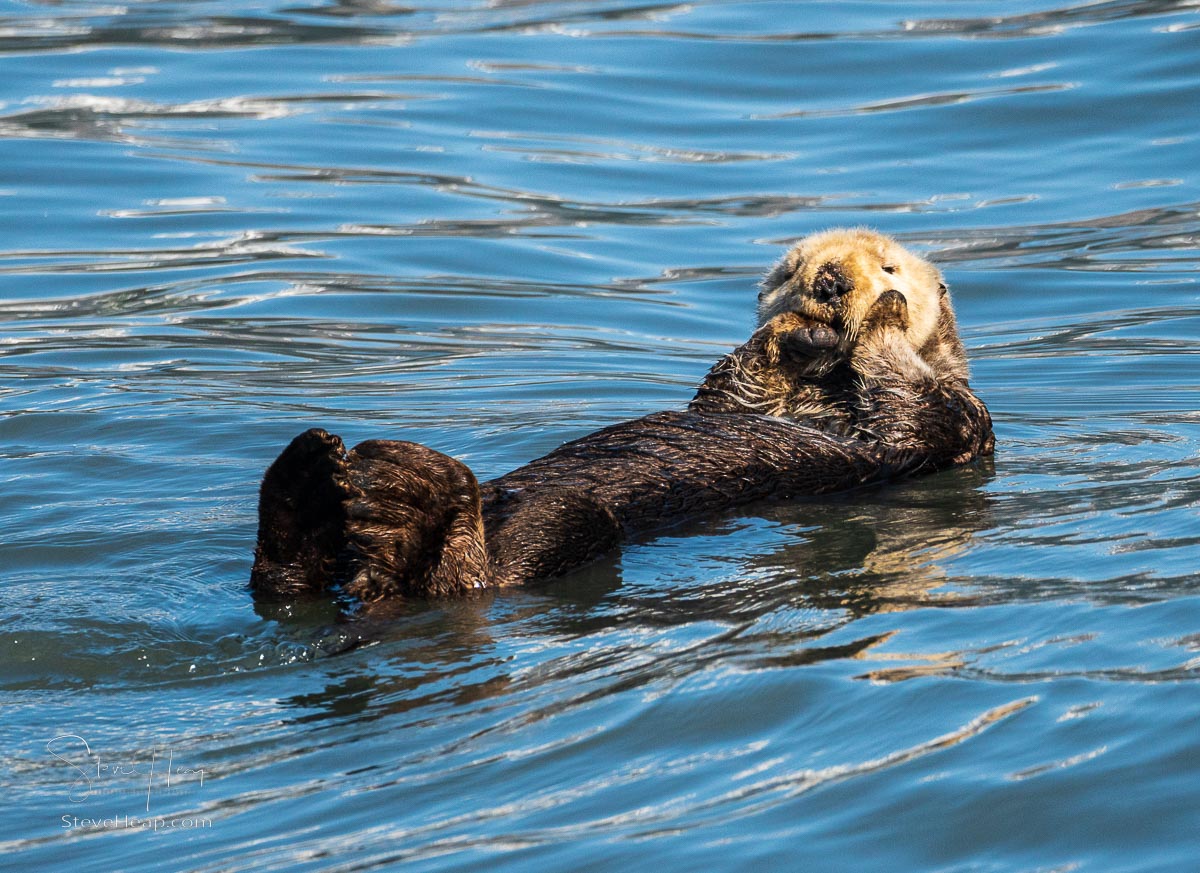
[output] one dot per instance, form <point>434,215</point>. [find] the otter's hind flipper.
<point>413,526</point>
<point>301,517</point>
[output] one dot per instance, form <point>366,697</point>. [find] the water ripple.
<point>1134,241</point>
<point>922,101</point>
<point>491,226</point>
<point>96,117</point>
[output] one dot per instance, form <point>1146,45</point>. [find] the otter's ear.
<point>779,274</point>
<point>942,289</point>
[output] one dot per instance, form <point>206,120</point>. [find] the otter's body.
<point>834,391</point>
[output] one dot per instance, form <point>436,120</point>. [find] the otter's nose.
<point>831,285</point>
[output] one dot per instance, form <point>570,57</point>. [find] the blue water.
<point>491,226</point>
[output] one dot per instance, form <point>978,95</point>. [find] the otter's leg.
<point>301,517</point>
<point>539,533</point>
<point>413,527</point>
<point>901,402</point>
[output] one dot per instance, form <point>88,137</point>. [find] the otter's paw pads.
<point>810,340</point>
<point>800,340</point>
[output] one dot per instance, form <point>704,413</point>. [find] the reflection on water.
<point>494,226</point>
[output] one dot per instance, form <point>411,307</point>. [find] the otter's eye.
<point>888,268</point>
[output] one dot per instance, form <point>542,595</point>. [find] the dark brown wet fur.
<point>411,522</point>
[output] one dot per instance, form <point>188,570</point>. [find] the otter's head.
<point>835,276</point>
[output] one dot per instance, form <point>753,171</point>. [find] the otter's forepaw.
<point>890,310</point>
<point>884,355</point>
<point>794,338</point>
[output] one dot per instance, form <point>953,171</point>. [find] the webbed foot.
<point>301,517</point>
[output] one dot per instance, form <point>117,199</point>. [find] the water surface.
<point>492,227</point>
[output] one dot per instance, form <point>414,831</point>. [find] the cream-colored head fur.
<point>835,276</point>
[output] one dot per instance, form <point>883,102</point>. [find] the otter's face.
<point>834,277</point>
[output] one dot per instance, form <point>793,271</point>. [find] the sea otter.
<point>883,390</point>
